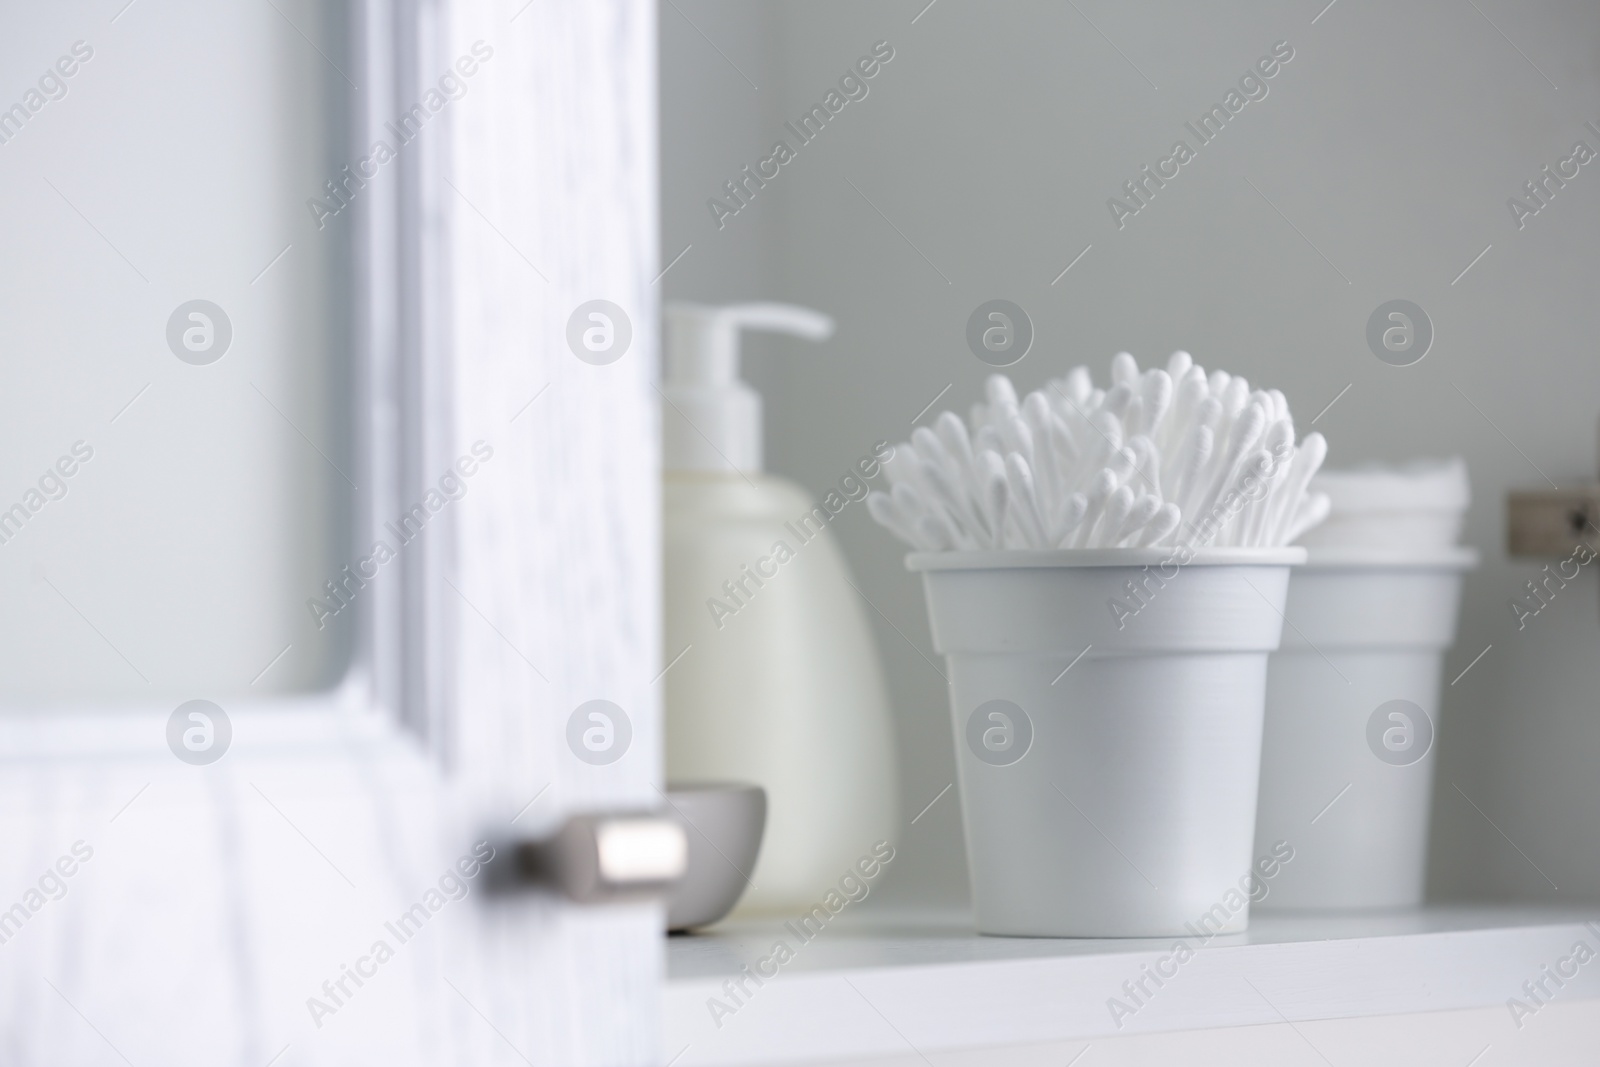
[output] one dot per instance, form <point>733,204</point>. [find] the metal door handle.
<point>599,858</point>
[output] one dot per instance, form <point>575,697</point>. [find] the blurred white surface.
<point>920,988</point>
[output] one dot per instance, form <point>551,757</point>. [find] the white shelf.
<point>874,984</point>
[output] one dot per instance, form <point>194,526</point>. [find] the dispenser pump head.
<point>712,420</point>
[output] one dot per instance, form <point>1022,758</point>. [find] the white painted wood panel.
<point>218,900</point>
<point>1479,1037</point>
<point>929,988</point>
<point>553,203</point>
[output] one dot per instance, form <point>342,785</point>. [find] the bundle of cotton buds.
<point>1162,456</point>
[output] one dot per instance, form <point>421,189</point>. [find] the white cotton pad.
<point>1416,505</point>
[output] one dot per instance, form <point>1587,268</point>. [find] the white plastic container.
<point>1352,720</point>
<point>1108,775</point>
<point>772,672</point>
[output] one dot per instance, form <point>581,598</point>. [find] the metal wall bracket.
<point>1552,522</point>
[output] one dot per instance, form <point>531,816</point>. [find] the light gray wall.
<point>177,166</point>
<point>1387,148</point>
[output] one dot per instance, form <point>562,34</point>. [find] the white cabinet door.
<point>321,893</point>
<point>553,237</point>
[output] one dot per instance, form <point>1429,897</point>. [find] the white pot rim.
<point>1015,558</point>
<point>1453,557</point>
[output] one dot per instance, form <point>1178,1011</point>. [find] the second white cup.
<point>1352,723</point>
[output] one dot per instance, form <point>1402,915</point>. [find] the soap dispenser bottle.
<point>779,682</point>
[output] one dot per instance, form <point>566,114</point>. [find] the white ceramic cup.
<point>1107,757</point>
<point>1352,725</point>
